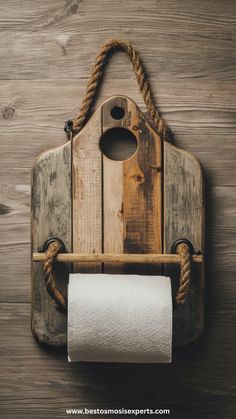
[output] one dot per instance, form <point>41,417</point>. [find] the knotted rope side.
<point>97,70</point>
<point>185,272</point>
<point>50,281</point>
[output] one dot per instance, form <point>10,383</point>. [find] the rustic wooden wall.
<point>46,49</point>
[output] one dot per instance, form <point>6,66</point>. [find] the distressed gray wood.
<point>171,37</point>
<point>59,15</point>
<point>87,193</point>
<point>183,210</point>
<point>183,198</point>
<point>51,216</point>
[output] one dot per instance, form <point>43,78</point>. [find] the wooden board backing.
<point>138,205</point>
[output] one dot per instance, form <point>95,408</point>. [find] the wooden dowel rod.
<point>120,258</point>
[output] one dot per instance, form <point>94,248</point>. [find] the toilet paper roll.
<point>119,318</point>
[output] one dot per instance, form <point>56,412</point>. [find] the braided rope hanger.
<point>77,124</point>
<point>96,74</point>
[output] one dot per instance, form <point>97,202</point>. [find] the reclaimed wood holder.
<point>135,207</point>
<point>117,216</point>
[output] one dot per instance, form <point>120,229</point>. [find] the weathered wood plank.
<point>61,15</point>
<point>51,216</point>
<point>184,218</point>
<point>183,198</point>
<point>46,55</point>
<point>143,196</point>
<point>87,193</point>
<point>53,33</point>
<point>113,212</point>
<point>113,188</point>
<point>138,206</point>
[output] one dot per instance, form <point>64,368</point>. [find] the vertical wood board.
<point>51,216</point>
<point>184,218</point>
<point>87,193</point>
<point>137,216</point>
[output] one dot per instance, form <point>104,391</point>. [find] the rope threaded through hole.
<point>185,272</point>
<point>53,249</point>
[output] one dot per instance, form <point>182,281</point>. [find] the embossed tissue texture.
<point>119,318</point>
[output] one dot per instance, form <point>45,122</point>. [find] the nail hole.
<point>118,144</point>
<point>117,112</point>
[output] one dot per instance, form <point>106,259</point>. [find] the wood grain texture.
<point>117,257</point>
<point>76,185</point>
<point>113,222</point>
<point>184,218</point>
<point>172,37</point>
<point>87,193</point>
<point>51,216</point>
<point>139,204</point>
<point>113,212</point>
<point>46,50</point>
<point>44,383</point>
<point>189,106</point>
<point>117,207</point>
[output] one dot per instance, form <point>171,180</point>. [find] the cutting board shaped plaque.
<point>117,189</point>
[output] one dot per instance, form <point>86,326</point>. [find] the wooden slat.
<point>136,206</point>
<point>184,218</point>
<point>142,189</point>
<point>51,216</point>
<point>113,188</point>
<point>183,198</point>
<point>87,193</point>
<point>113,211</point>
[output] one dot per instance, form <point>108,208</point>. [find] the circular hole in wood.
<point>118,144</point>
<point>117,112</point>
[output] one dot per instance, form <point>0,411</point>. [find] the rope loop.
<point>53,249</point>
<point>185,271</point>
<point>97,71</point>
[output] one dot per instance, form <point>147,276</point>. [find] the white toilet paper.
<point>119,318</point>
